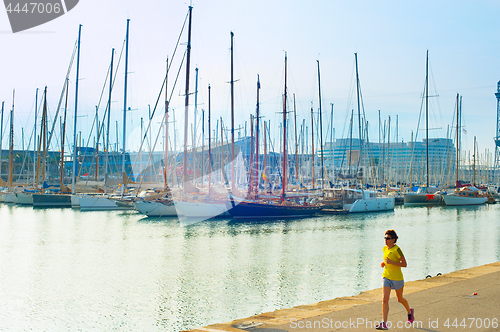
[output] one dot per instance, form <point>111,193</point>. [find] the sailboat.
<point>62,198</point>
<point>42,199</point>
<point>10,195</point>
<point>200,206</point>
<point>365,200</point>
<point>98,202</point>
<point>466,195</point>
<point>282,207</point>
<point>425,195</point>
<point>164,206</point>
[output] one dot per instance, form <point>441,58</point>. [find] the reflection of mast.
<point>186,104</point>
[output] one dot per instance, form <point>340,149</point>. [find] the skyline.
<point>390,43</point>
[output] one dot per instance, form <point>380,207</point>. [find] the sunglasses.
<point>388,238</point>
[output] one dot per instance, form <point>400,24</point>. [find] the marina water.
<point>62,269</point>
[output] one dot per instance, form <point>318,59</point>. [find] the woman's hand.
<point>382,264</point>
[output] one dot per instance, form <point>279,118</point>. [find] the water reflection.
<point>61,269</point>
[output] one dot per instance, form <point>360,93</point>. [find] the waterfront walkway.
<point>442,303</point>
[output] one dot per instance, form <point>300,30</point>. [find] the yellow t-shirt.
<point>391,271</point>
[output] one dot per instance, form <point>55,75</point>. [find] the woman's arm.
<point>401,263</point>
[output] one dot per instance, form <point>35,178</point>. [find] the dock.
<point>461,300</point>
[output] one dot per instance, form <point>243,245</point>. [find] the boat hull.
<point>455,200</point>
<point>75,202</point>
<point>420,199</point>
<point>156,209</point>
<point>203,210</point>
<point>375,204</point>
<point>24,198</point>
<point>98,203</point>
<point>11,198</point>
<point>255,210</point>
<point>52,200</point>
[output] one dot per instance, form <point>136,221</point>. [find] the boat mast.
<point>312,142</point>
<point>61,183</point>
<point>458,130</point>
<point>283,189</point>
<point>106,150</point>
<point>1,139</point>
<point>76,111</point>
<point>296,144</point>
<point>195,127</point>
<point>257,117</point>
<point>427,116</point>
<point>232,119</point>
<point>42,130</point>
<point>186,104</point>
<point>11,141</point>
<point>209,146</point>
<point>474,164</point>
<point>34,138</point>
<point>165,170</point>
<point>251,170</point>
<point>359,114</point>
<point>125,109</point>
<point>321,131</point>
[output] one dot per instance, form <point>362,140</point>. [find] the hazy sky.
<point>390,37</point>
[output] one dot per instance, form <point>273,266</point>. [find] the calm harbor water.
<point>68,270</point>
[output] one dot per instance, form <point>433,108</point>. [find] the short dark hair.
<point>392,233</point>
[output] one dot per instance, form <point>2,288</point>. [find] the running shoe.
<point>381,326</point>
<point>411,317</point>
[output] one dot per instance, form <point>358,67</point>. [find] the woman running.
<point>394,260</point>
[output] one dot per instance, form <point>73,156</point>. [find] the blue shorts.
<point>394,284</point>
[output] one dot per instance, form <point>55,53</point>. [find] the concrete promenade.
<point>441,303</point>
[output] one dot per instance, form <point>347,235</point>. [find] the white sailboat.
<point>367,201</point>
<point>469,195</point>
<point>99,202</point>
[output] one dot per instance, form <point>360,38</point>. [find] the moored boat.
<point>256,209</point>
<point>423,197</point>
<point>158,208</point>
<point>52,200</point>
<point>369,201</point>
<point>465,196</point>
